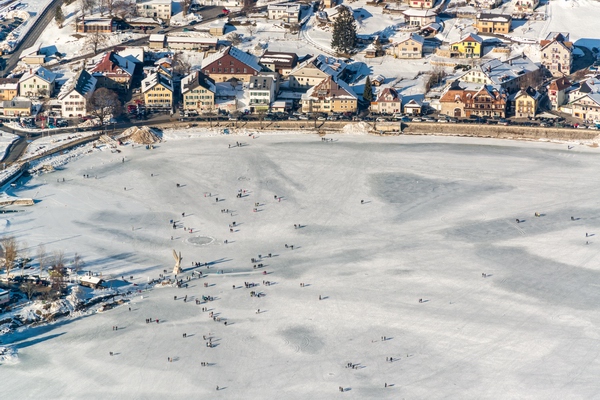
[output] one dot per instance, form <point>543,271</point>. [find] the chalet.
<point>9,88</point>
<point>557,53</point>
<point>278,61</point>
<point>198,92</point>
<point>388,101</point>
<point>511,75</point>
<point>75,93</point>
<point>462,100</point>
<point>96,25</point>
<point>330,95</point>
<point>419,17</point>
<point>315,69</point>
<point>492,23</point>
<point>557,92</point>
<point>229,63</point>
<point>526,102</point>
<point>114,72</point>
<point>409,47</point>
<point>91,281</point>
<point>38,82</point>
<point>157,90</point>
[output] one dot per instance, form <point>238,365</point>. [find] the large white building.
<point>75,94</point>
<point>154,9</point>
<point>288,12</point>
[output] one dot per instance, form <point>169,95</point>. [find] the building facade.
<point>330,96</point>
<point>411,47</point>
<point>37,82</point>
<point>287,12</point>
<point>157,89</point>
<point>388,101</point>
<point>557,54</point>
<point>471,46</point>
<point>230,63</point>
<point>492,23</point>
<point>75,94</point>
<point>198,92</point>
<point>9,88</point>
<point>161,9</point>
<point>526,103</point>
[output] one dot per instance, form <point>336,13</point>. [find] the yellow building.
<point>471,46</point>
<point>492,23</point>
<point>158,91</point>
<point>330,96</point>
<point>198,92</point>
<point>9,88</point>
<point>526,102</point>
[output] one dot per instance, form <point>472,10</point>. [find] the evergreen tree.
<point>368,92</point>
<point>59,17</point>
<point>343,39</point>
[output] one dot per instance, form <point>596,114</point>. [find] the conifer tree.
<point>343,39</point>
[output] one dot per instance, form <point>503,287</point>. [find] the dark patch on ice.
<point>302,339</point>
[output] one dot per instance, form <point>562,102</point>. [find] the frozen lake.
<point>437,214</point>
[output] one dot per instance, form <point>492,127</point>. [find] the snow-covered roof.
<point>289,7</point>
<point>494,17</point>
<point>41,73</point>
<point>196,79</point>
<point>156,79</point>
<point>110,62</point>
<point>156,38</point>
<point>414,36</point>
<point>132,53</point>
<point>9,84</point>
<point>500,72</point>
<point>187,39</point>
<point>334,88</point>
<point>83,83</point>
<point>94,280</point>
<point>413,12</point>
<point>33,50</point>
<point>236,53</point>
<point>330,65</point>
<point>17,102</point>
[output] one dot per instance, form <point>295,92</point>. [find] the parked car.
<point>380,119</point>
<point>303,117</point>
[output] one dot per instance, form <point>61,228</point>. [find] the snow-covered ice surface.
<point>438,213</point>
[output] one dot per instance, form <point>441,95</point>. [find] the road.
<point>32,36</point>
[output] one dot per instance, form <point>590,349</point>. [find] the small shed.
<point>377,80</point>
<point>91,281</point>
<point>413,107</point>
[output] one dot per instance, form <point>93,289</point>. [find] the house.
<point>143,23</point>
<point>157,90</point>
<point>557,53</point>
<point>413,107</point>
<point>154,9</point>
<point>37,82</point>
<point>388,101</point>
<point>91,281</point>
<point>470,46</point>
<point>587,107</point>
<point>4,296</point>
<point>453,99</point>
<point>198,92</point>
<point>229,63</point>
<point>263,91</point>
<point>9,88</point>
<point>95,25</point>
<point>408,47</point>
<point>192,43</point>
<point>488,101</point>
<point>164,62</point>
<point>33,55</point>
<point>315,69</point>
<point>75,93</point>
<point>485,4</point>
<point>287,12</point>
<point>278,61</point>
<point>157,41</point>
<point>511,75</point>
<point>114,72</point>
<point>421,3</point>
<point>132,53</point>
<point>377,80</point>
<point>557,92</point>
<point>419,17</point>
<point>526,102</point>
<point>330,95</point>
<point>17,107</point>
<point>526,6</point>
<point>583,88</point>
<point>492,23</point>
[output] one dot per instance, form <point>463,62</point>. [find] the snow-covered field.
<point>437,214</point>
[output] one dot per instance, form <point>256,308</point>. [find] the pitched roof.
<point>471,37</point>
<point>236,53</point>
<point>560,84</point>
<point>381,96</point>
<point>41,73</point>
<point>558,37</point>
<point>414,36</point>
<point>413,12</point>
<point>500,72</point>
<point>83,83</point>
<point>155,79</point>
<point>332,88</point>
<point>279,58</point>
<point>494,17</point>
<point>330,65</point>
<point>529,91</point>
<point>9,83</point>
<point>111,63</point>
<point>196,79</point>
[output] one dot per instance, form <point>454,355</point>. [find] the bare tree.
<point>41,257</point>
<point>124,9</point>
<point>251,30</point>
<point>24,255</point>
<point>86,6</point>
<point>94,40</point>
<point>9,245</point>
<point>29,288</point>
<point>181,64</point>
<point>234,38</point>
<point>57,270</point>
<point>104,102</point>
<point>77,263</point>
<point>185,6</point>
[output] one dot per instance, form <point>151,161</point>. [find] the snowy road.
<point>438,213</point>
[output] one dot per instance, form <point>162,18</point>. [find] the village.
<point>494,62</point>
